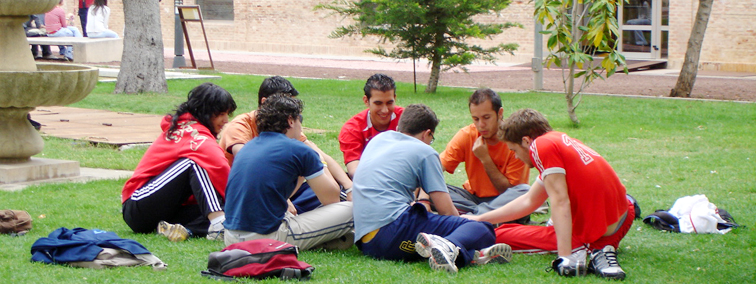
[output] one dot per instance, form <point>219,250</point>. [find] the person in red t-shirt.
<point>589,204</point>
<point>382,114</point>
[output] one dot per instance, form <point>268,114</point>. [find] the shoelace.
<point>611,258</point>
<point>446,244</point>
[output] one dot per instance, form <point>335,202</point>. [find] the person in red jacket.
<point>179,185</point>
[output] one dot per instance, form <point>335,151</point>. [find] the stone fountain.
<point>25,85</point>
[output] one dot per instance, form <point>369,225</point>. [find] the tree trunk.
<point>435,62</point>
<point>570,95</point>
<point>434,75</point>
<point>570,92</point>
<point>142,64</point>
<point>687,77</point>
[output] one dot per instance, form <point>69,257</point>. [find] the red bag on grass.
<point>258,259</point>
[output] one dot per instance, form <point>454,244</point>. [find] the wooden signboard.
<point>192,13</point>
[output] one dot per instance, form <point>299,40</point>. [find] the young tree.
<point>142,64</point>
<point>578,32</point>
<point>431,29</point>
<point>687,77</point>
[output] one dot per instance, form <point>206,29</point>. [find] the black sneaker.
<point>604,263</point>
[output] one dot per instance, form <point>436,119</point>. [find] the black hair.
<point>274,85</point>
<point>482,95</point>
<point>417,118</point>
<point>273,115</point>
<point>380,82</point>
<point>204,102</point>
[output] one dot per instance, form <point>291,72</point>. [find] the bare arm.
<point>236,148</point>
<point>556,187</point>
<point>325,188</point>
<point>499,181</point>
<point>516,209</point>
<point>443,203</point>
<point>352,167</point>
<point>334,168</point>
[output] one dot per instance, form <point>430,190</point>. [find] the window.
<point>217,9</point>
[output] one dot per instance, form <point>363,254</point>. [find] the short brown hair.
<point>417,118</point>
<point>523,122</point>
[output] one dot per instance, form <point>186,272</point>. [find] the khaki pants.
<point>306,230</point>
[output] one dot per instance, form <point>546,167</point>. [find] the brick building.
<point>292,26</point>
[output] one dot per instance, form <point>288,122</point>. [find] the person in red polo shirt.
<point>381,114</point>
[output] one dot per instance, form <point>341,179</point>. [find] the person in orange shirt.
<point>495,175</point>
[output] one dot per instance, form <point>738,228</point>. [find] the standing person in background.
<point>97,20</point>
<point>83,11</point>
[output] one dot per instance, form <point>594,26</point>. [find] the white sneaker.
<point>215,231</point>
<point>604,263</point>
<point>441,253</point>
<point>497,253</point>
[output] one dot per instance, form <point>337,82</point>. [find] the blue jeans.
<point>69,31</point>
<point>103,34</point>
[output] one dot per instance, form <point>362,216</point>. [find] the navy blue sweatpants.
<point>396,241</point>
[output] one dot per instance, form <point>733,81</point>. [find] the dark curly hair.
<point>273,115</point>
<point>204,102</point>
<point>380,82</point>
<point>274,85</point>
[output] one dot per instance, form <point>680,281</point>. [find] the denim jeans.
<point>69,31</point>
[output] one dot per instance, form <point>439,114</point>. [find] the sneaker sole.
<point>500,253</point>
<point>439,261</point>
<point>618,276</point>
<point>423,245</point>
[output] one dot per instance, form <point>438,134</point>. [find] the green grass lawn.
<point>661,149</point>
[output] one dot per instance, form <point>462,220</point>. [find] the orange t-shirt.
<point>239,131</point>
<point>459,150</point>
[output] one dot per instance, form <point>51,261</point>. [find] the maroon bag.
<point>259,259</point>
<point>15,222</point>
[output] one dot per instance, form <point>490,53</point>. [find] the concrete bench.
<point>86,49</point>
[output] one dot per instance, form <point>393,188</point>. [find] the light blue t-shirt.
<point>392,166</point>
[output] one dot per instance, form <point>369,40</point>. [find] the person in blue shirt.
<point>264,176</point>
<point>390,224</point>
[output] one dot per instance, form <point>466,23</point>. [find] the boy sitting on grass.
<point>588,202</point>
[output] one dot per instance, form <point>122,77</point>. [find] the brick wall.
<point>291,26</point>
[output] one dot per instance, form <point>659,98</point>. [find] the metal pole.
<point>537,63</point>
<point>178,38</point>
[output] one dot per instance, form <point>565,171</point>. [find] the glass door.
<point>645,29</point>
